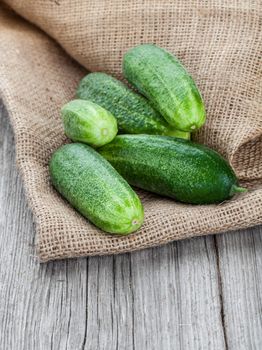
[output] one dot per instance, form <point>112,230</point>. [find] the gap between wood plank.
<point>86,306</point>
<point>220,289</point>
<point>133,302</point>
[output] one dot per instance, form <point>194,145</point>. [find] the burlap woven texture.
<point>220,44</point>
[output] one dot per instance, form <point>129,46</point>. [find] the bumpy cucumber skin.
<point>176,168</point>
<point>133,112</point>
<point>93,187</point>
<point>85,121</point>
<point>159,76</point>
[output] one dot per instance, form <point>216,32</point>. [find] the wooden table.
<point>202,293</point>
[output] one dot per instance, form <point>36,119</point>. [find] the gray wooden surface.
<point>203,293</point>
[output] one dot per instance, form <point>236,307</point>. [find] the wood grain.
<point>240,265</point>
<point>203,293</point>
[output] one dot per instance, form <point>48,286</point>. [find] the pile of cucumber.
<point>153,151</point>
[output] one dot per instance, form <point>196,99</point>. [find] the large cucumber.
<point>133,112</point>
<point>177,168</point>
<point>160,77</point>
<point>85,121</point>
<point>95,189</point>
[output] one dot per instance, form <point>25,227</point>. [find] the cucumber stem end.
<point>236,189</point>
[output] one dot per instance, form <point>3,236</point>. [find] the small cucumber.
<point>159,76</point>
<point>87,122</point>
<point>173,167</point>
<point>93,187</point>
<point>133,112</point>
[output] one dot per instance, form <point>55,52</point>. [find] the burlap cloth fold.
<point>220,44</point>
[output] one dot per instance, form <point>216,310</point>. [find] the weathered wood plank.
<point>161,298</point>
<point>240,264</point>
<point>176,297</point>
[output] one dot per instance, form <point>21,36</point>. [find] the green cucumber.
<point>159,76</point>
<point>93,187</point>
<point>133,112</point>
<point>85,121</point>
<point>172,167</point>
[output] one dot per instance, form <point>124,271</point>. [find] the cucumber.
<point>172,167</point>
<point>159,76</point>
<point>133,112</point>
<point>93,187</point>
<point>87,122</point>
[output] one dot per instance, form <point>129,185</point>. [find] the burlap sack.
<point>218,41</point>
